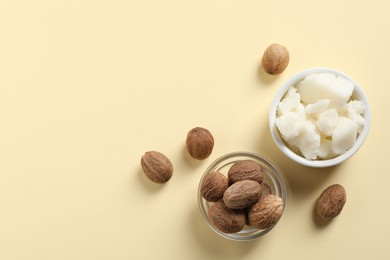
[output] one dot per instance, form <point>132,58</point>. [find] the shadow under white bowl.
<point>358,94</point>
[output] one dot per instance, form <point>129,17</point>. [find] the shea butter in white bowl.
<point>319,117</point>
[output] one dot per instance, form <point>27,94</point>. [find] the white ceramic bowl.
<point>358,94</point>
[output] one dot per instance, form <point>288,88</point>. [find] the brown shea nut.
<point>242,194</point>
<point>213,186</point>
<point>157,167</point>
<point>275,59</point>
<point>225,219</point>
<point>200,143</point>
<point>245,170</point>
<point>331,201</point>
<point>266,212</point>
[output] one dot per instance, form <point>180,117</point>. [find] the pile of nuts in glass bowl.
<point>242,196</point>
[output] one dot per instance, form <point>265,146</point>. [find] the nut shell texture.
<point>157,167</point>
<point>213,186</point>
<point>331,201</point>
<point>266,212</point>
<point>245,170</point>
<point>200,143</point>
<point>242,194</point>
<point>225,219</point>
<point>275,59</point>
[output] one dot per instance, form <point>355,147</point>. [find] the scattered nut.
<point>266,212</point>
<point>331,201</point>
<point>225,219</point>
<point>157,167</point>
<point>245,170</point>
<point>242,194</point>
<point>275,59</point>
<point>213,186</point>
<point>200,143</point>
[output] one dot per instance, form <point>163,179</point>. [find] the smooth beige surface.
<point>86,87</point>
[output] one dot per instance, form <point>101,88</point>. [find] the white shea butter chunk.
<point>300,110</point>
<point>327,121</point>
<point>309,141</point>
<point>289,125</point>
<point>344,135</point>
<point>319,86</point>
<point>317,107</point>
<point>299,133</point>
<point>325,151</point>
<point>354,110</point>
<point>290,101</point>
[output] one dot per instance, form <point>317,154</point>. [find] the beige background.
<point>86,87</point>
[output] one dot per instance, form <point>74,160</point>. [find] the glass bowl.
<point>358,94</point>
<point>272,176</point>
